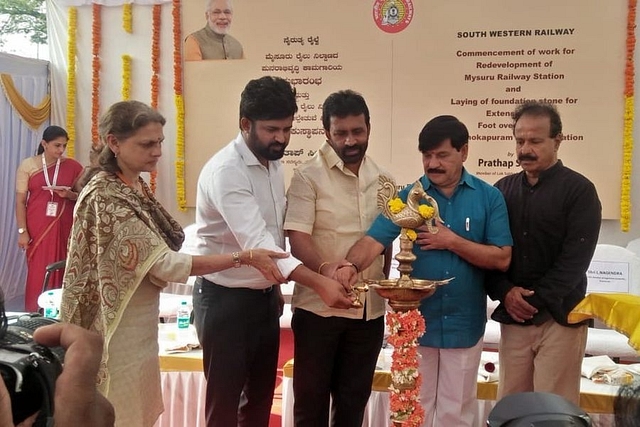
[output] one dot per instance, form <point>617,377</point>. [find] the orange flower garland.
<point>404,404</point>
<point>155,55</point>
<point>627,137</point>
<point>155,71</point>
<point>96,30</point>
<point>71,81</point>
<point>179,100</point>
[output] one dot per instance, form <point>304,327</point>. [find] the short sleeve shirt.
<point>455,314</point>
<point>336,207</point>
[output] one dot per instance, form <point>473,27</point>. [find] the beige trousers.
<point>547,358</point>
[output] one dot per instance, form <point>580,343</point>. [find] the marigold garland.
<point>71,81</point>
<point>404,404</point>
<point>629,114</point>
<point>126,77</point>
<point>155,71</point>
<point>127,17</point>
<point>396,205</point>
<point>177,88</point>
<point>96,29</point>
<point>155,55</point>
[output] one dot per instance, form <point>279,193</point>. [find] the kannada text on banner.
<point>474,60</point>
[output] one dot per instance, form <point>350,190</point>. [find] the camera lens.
<point>29,370</point>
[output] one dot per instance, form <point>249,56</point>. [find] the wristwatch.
<point>236,259</point>
<point>21,230</point>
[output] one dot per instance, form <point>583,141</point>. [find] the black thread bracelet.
<point>351,265</point>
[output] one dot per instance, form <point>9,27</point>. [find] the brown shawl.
<point>117,236</point>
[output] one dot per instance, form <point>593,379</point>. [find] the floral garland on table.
<point>126,77</point>
<point>627,155</point>
<point>404,405</point>
<point>155,71</point>
<point>71,81</point>
<point>179,100</point>
<point>127,17</point>
<point>96,28</point>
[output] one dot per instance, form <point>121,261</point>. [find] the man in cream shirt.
<point>331,203</point>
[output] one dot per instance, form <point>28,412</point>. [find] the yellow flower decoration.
<point>411,235</point>
<point>426,211</point>
<point>126,77</point>
<point>71,81</point>
<point>627,135</point>
<point>127,18</point>
<point>396,205</point>
<point>179,101</point>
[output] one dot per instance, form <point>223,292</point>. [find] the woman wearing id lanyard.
<point>46,190</point>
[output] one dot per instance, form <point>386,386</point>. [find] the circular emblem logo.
<point>392,16</point>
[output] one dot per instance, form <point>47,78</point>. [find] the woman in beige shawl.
<point>123,252</point>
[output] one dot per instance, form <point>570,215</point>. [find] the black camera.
<point>29,370</point>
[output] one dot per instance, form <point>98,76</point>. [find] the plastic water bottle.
<point>50,306</point>
<point>183,316</point>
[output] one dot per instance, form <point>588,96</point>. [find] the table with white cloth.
<point>181,374</point>
<point>182,378</point>
<point>596,399</point>
<point>184,389</point>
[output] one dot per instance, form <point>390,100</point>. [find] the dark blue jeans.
<point>239,332</point>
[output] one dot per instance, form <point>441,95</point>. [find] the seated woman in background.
<point>46,190</point>
<point>123,251</point>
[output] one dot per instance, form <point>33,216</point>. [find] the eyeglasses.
<point>218,12</point>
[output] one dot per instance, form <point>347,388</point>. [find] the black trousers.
<point>334,357</point>
<point>239,332</point>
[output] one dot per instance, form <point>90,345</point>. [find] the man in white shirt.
<point>332,201</point>
<point>240,205</point>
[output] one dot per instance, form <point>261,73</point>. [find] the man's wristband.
<point>350,264</point>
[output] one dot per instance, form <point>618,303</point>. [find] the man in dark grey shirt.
<point>555,216</point>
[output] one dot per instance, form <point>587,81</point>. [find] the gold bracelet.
<point>322,265</point>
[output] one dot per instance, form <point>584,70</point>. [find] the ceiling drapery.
<point>34,116</point>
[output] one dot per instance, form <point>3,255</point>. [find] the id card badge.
<point>52,208</point>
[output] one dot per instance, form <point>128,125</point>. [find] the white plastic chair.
<point>634,246</point>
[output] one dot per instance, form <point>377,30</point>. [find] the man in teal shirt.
<point>473,237</point>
